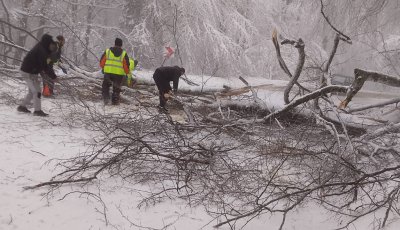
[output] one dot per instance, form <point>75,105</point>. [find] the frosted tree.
<point>210,34</point>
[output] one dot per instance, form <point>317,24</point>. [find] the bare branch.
<point>345,37</point>
<point>306,98</point>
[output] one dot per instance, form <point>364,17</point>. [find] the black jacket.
<point>38,58</point>
<point>164,75</point>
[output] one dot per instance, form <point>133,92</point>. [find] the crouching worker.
<point>162,77</point>
<point>115,65</point>
<point>35,62</point>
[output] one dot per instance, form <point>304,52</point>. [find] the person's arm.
<point>126,64</point>
<point>176,84</point>
<point>103,60</point>
<point>49,70</point>
<point>56,56</point>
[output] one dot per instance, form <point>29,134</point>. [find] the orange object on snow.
<point>46,91</point>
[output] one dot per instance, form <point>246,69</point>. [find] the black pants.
<point>163,101</point>
<point>163,88</point>
<point>116,82</point>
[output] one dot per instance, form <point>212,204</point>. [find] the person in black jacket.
<point>37,61</point>
<point>162,77</point>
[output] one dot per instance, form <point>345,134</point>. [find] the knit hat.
<point>118,42</point>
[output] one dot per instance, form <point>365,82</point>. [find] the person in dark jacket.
<point>162,77</point>
<point>35,62</point>
<point>48,83</point>
<point>115,66</point>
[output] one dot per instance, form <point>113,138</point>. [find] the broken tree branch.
<point>278,52</point>
<point>324,80</point>
<point>361,76</point>
<point>306,98</point>
<point>377,77</point>
<point>302,57</point>
<point>282,63</point>
<point>333,53</point>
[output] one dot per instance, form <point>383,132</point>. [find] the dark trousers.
<point>163,88</point>
<point>49,82</point>
<point>116,82</point>
<point>163,101</point>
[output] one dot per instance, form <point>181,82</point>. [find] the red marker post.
<point>168,53</point>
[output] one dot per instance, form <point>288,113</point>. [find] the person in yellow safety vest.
<point>115,65</point>
<point>130,81</point>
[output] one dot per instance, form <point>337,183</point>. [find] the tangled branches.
<point>241,172</point>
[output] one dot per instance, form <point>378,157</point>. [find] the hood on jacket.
<point>117,51</point>
<point>45,41</point>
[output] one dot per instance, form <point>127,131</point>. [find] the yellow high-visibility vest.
<point>114,65</point>
<point>131,66</point>
<point>129,80</point>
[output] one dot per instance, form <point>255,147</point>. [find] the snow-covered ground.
<point>28,146</point>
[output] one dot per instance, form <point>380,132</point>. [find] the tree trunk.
<point>42,20</point>
<point>131,15</point>
<point>74,13</point>
<point>22,37</point>
<point>5,49</point>
<point>89,20</point>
